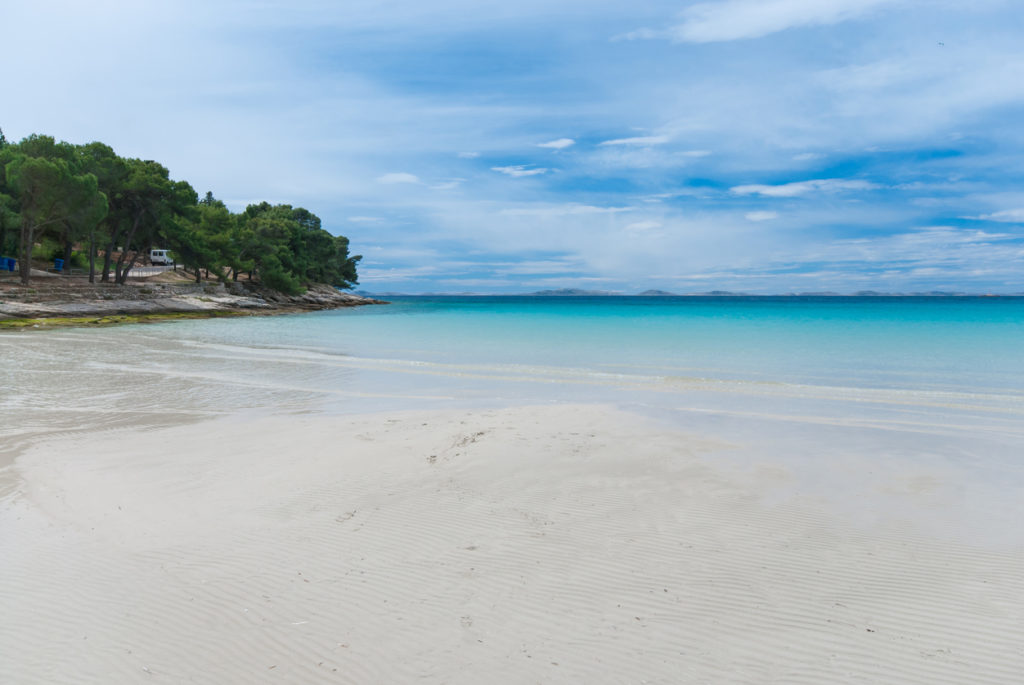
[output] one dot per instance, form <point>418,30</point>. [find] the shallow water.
<point>928,353</point>
<point>918,343</point>
<point>834,388</point>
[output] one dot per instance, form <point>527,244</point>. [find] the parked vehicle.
<point>160,257</point>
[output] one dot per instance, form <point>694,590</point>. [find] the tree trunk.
<point>121,276</point>
<point>106,257</point>
<point>198,279</point>
<point>127,242</point>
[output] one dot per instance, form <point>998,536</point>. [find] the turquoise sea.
<point>819,383</point>
<point>470,350</point>
<point>968,344</point>
<point>485,349</point>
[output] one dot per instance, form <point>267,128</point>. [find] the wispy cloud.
<point>540,267</point>
<point>641,226</point>
<point>929,246</point>
<point>641,34</point>
<point>1010,216</point>
<point>519,170</point>
<point>824,185</point>
<point>570,209</point>
<point>371,274</point>
<point>398,177</point>
<point>638,140</point>
<point>708,22</point>
<point>559,144</point>
<point>450,184</point>
<point>928,133</point>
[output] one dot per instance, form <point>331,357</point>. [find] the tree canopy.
<point>86,196</point>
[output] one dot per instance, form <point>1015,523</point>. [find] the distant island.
<point>572,292</point>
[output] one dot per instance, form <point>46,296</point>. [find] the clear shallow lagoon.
<point>931,352</point>
<point>916,343</point>
<point>961,345</point>
<point>820,382</point>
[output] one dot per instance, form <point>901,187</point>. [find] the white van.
<point>157,257</point>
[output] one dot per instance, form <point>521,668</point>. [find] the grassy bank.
<point>113,320</point>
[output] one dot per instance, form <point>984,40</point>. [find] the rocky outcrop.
<point>71,299</point>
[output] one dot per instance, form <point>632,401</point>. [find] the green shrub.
<point>47,249</point>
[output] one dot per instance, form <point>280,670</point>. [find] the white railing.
<point>144,271</point>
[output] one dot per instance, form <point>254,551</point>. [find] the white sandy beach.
<point>553,544</point>
<point>695,353</point>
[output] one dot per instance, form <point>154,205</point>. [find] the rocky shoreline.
<point>77,298</point>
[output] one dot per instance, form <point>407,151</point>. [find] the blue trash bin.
<point>58,264</point>
<point>7,263</point>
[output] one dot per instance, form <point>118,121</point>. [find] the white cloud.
<point>883,91</point>
<point>930,246</point>
<point>402,177</point>
<point>1010,216</point>
<point>641,226</point>
<point>761,216</point>
<point>696,153</point>
<point>369,274</point>
<point>398,177</point>
<point>570,209</point>
<point>638,140</point>
<point>708,22</point>
<point>518,170</point>
<point>641,34</point>
<point>826,185</point>
<point>450,184</point>
<point>558,144</point>
<point>925,91</point>
<point>537,267</point>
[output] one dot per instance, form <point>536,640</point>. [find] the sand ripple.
<point>559,544</point>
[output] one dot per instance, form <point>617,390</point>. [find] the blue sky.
<point>755,145</point>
